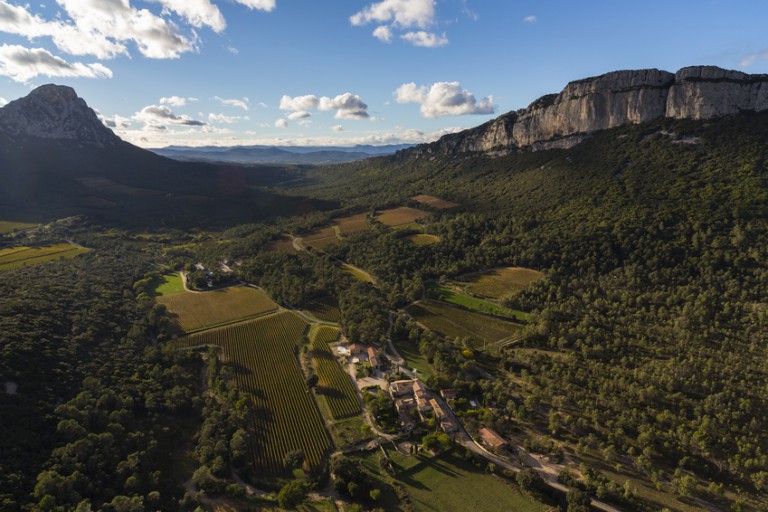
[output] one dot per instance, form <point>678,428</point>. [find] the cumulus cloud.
<point>161,115</point>
<point>23,64</point>
<point>116,122</point>
<point>3,101</point>
<point>443,99</point>
<point>425,39</point>
<point>337,128</point>
<point>198,13</point>
<point>234,102</point>
<point>530,19</point>
<point>225,119</point>
<point>401,13</point>
<point>262,5</point>
<point>383,33</point>
<point>347,106</point>
<point>176,101</point>
<point>281,123</point>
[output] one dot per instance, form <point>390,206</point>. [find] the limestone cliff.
<point>614,99</point>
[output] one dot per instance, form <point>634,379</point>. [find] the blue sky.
<point>229,72</point>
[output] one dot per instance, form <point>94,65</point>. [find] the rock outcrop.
<point>55,112</point>
<point>607,101</point>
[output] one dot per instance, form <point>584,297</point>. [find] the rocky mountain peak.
<point>54,112</point>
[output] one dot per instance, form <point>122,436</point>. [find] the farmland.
<point>335,387</point>
<point>325,308</point>
<point>358,273</point>
<point>451,321</point>
<point>283,417</point>
<point>320,238</point>
<point>281,245</point>
<point>17,257</point>
<point>194,311</point>
<point>424,239</point>
<point>499,283</point>
<point>352,223</point>
<point>450,295</point>
<point>434,202</point>
<point>401,216</point>
<point>7,226</point>
<point>413,358</point>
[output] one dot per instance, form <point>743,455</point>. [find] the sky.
<point>345,72</point>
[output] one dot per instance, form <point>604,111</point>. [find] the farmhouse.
<point>491,439</point>
<point>357,349</point>
<point>373,358</point>
<point>449,394</point>
<point>446,425</point>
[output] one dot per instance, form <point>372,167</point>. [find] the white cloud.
<point>337,128</point>
<point>750,59</point>
<point>161,115</point>
<point>23,64</point>
<point>262,5</point>
<point>234,102</point>
<point>233,50</point>
<point>198,13</point>
<point>425,39</point>
<point>3,101</point>
<point>281,123</point>
<point>299,114</point>
<point>530,19</point>
<point>176,101</point>
<point>305,122</point>
<point>299,103</point>
<point>115,122</point>
<point>383,33</point>
<point>443,99</point>
<point>225,119</point>
<point>347,106</point>
<point>402,13</point>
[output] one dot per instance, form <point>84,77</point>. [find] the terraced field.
<point>335,387</point>
<point>193,311</point>
<point>17,257</point>
<point>283,417</point>
<point>451,321</point>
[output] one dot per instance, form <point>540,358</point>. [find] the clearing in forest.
<point>194,311</point>
<point>169,284</point>
<point>424,239</point>
<point>325,308</point>
<point>357,273</point>
<point>434,202</point>
<point>401,216</point>
<point>452,294</point>
<point>499,283</point>
<point>454,322</point>
<point>283,244</point>
<point>283,416</point>
<point>319,238</point>
<point>335,388</point>
<point>8,226</point>
<point>352,223</point>
<point>17,257</point>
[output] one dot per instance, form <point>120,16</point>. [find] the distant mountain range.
<point>294,155</point>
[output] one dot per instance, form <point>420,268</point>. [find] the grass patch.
<point>358,273</point>
<point>194,311</point>
<point>18,257</point>
<point>451,321</point>
<point>447,294</point>
<point>169,284</point>
<point>413,358</point>
<point>498,283</point>
<point>434,202</point>
<point>400,216</point>
<point>424,239</point>
<point>7,226</point>
<point>350,432</point>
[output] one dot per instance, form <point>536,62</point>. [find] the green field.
<point>283,417</point>
<point>424,239</point>
<point>325,308</point>
<point>335,388</point>
<point>18,257</point>
<point>448,483</point>
<point>413,358</point>
<point>194,311</point>
<point>498,283</point>
<point>358,273</point>
<point>7,226</point>
<point>452,296</point>
<point>169,284</point>
<point>448,320</point>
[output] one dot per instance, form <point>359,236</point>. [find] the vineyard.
<point>194,311</point>
<point>17,257</point>
<point>283,416</point>
<point>325,308</point>
<point>335,386</point>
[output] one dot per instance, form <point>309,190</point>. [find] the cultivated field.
<point>335,387</point>
<point>451,321</point>
<point>400,216</point>
<point>194,311</point>
<point>7,226</point>
<point>326,308</point>
<point>499,283</point>
<point>283,417</point>
<point>413,358</point>
<point>17,257</point>
<point>434,202</point>
<point>283,244</point>
<point>352,224</point>
<point>320,238</point>
<point>451,295</point>
<point>358,273</point>
<point>424,239</point>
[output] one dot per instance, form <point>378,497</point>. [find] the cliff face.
<point>614,99</point>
